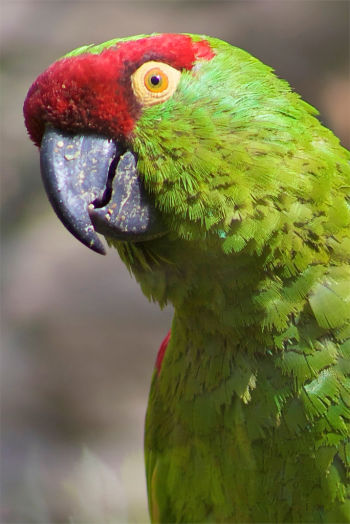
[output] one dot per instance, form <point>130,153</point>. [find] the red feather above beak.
<point>92,92</point>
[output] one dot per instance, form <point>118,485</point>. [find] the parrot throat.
<point>209,292</point>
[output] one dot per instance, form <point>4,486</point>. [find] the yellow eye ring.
<point>154,82</point>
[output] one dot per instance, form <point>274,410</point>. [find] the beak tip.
<point>100,249</point>
<point>92,241</point>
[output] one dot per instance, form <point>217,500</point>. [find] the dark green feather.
<point>248,419</point>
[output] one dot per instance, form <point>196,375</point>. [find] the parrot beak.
<point>94,186</point>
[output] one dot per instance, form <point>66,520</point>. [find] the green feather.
<point>248,419</point>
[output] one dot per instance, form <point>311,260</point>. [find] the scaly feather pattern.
<point>248,418</point>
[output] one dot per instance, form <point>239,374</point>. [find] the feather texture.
<point>248,420</point>
<point>249,412</point>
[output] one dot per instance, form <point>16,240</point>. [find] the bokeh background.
<point>79,340</point>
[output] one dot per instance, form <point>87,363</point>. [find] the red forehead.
<point>92,91</point>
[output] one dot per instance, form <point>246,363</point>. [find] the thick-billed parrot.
<point>225,196</point>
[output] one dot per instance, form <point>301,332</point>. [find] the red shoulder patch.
<point>161,352</point>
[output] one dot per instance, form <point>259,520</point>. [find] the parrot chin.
<point>93,185</point>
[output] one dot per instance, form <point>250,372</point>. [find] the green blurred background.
<point>79,339</point>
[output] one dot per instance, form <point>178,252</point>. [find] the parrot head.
<point>175,145</point>
<point>137,135</point>
<point>106,118</point>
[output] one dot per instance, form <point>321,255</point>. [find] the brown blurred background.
<point>79,339</point>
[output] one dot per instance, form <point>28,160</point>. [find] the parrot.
<point>226,197</point>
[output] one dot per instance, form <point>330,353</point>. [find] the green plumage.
<point>248,420</point>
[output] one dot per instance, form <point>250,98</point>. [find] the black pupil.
<point>155,80</point>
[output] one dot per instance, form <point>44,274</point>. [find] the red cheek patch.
<point>92,92</point>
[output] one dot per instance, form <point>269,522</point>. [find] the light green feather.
<point>248,420</point>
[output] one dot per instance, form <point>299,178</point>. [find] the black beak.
<point>93,185</point>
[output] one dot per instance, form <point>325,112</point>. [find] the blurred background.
<point>79,340</point>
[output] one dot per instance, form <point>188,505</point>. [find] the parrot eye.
<point>154,82</point>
